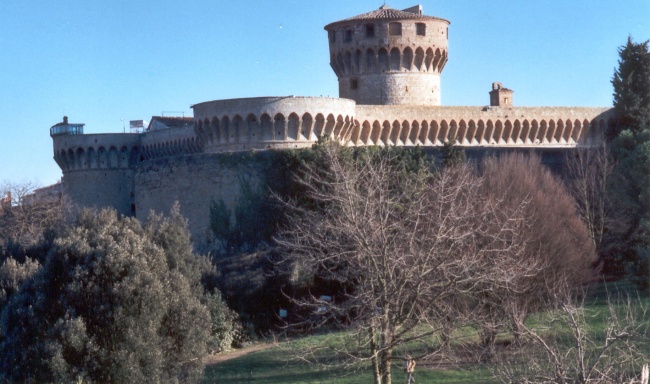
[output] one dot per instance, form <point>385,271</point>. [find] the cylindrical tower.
<point>98,169</point>
<point>389,57</point>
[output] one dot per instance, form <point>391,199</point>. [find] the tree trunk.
<point>385,366</point>
<point>374,356</point>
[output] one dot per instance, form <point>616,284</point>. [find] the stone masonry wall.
<point>101,188</point>
<point>393,89</point>
<point>194,181</point>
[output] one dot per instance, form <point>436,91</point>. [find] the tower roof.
<point>385,13</point>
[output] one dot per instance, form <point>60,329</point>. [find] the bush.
<point>12,276</point>
<point>114,302</point>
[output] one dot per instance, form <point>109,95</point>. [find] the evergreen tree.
<point>114,302</point>
<point>452,154</point>
<point>631,83</point>
<point>631,151</point>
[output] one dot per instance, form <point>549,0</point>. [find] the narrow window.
<point>348,36</point>
<point>395,29</point>
<point>421,29</point>
<point>354,84</point>
<point>370,30</point>
<point>333,36</point>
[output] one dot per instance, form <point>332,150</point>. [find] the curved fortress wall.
<point>98,170</point>
<point>271,122</point>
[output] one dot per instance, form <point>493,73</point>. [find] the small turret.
<point>65,128</point>
<point>499,96</point>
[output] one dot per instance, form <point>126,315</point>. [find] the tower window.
<point>348,36</point>
<point>395,29</point>
<point>354,84</point>
<point>420,29</point>
<point>333,36</point>
<point>370,30</point>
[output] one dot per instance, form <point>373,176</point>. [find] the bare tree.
<point>413,250</point>
<point>555,240</point>
<point>588,172</point>
<point>27,210</point>
<point>571,347</point>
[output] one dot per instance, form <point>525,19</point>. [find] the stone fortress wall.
<point>98,169</point>
<point>389,88</point>
<point>479,126</point>
<point>270,122</point>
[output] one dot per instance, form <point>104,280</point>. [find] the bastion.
<point>388,64</point>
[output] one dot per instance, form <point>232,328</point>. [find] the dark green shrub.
<point>114,302</point>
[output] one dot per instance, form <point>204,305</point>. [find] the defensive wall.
<point>136,173</point>
<point>98,169</point>
<point>270,122</point>
<point>388,64</point>
<point>478,126</point>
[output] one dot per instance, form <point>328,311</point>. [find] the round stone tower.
<point>389,57</point>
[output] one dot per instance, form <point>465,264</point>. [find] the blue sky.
<point>104,62</point>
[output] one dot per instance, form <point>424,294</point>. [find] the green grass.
<point>275,366</point>
<point>279,364</point>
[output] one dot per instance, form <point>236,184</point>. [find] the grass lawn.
<point>278,363</point>
<point>274,366</point>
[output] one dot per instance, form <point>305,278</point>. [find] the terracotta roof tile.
<point>385,13</point>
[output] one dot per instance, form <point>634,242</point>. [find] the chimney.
<point>417,9</point>
<point>65,119</point>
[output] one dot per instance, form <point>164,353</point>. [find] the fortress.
<point>388,63</point>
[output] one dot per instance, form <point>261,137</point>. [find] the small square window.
<point>421,29</point>
<point>348,36</point>
<point>370,30</point>
<point>354,84</point>
<point>395,29</point>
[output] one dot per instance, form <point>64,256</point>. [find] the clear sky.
<point>103,63</point>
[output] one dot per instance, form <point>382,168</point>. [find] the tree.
<point>631,150</point>
<point>12,276</point>
<point>26,212</point>
<point>555,240</point>
<point>114,302</point>
<point>631,83</point>
<point>588,173</point>
<point>631,197</point>
<point>410,248</point>
<point>451,154</point>
<point>605,344</point>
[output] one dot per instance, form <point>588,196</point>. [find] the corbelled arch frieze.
<point>99,157</point>
<point>235,133</point>
<point>276,122</point>
<point>354,62</point>
<point>500,132</point>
